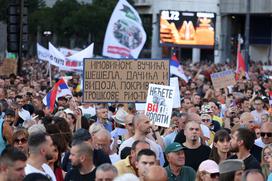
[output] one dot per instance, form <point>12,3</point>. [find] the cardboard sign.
<point>111,80</point>
<point>223,79</point>
<point>8,66</point>
<point>159,104</point>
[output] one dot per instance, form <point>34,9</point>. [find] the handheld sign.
<point>223,79</point>
<point>159,104</point>
<point>112,80</point>
<point>174,83</point>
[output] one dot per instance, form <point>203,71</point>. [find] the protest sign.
<point>8,66</point>
<point>223,79</point>
<point>159,104</point>
<point>111,80</point>
<point>174,83</point>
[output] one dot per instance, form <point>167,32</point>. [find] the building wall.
<point>260,53</point>
<point>239,6</point>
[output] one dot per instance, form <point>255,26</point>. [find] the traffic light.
<point>17,25</point>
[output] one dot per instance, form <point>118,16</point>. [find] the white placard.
<point>159,104</point>
<point>174,83</point>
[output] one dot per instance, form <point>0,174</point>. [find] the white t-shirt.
<point>47,171</point>
<point>131,140</point>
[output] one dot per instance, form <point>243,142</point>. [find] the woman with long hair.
<point>221,146</point>
<point>266,153</point>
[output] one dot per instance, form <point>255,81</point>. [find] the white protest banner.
<point>159,103</point>
<point>174,83</point>
<point>125,35</point>
<point>72,63</point>
<point>43,53</point>
<point>67,52</point>
<point>267,67</point>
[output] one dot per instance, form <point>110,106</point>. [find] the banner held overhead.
<point>111,80</point>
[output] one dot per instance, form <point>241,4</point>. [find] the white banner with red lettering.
<point>125,35</point>
<point>159,104</point>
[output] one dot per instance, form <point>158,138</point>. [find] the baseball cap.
<point>81,135</point>
<point>231,165</point>
<point>209,166</point>
<point>174,147</point>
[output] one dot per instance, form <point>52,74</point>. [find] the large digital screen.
<point>190,29</point>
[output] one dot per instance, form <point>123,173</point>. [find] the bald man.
<point>266,135</point>
<point>247,120</point>
<point>155,173</point>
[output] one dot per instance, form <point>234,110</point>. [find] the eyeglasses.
<point>267,134</point>
<point>22,140</point>
<point>214,175</point>
<point>206,120</point>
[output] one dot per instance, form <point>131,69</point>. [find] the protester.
<point>142,127</point>
<point>106,172</point>
<point>128,165</point>
<point>145,159</point>
<point>82,159</point>
<point>195,152</point>
<point>231,170</point>
<point>19,140</point>
<point>40,152</point>
<point>266,153</point>
<point>221,146</point>
<point>12,164</point>
<point>265,135</point>
<point>155,173</point>
<point>5,134</point>
<point>176,170</point>
<point>253,175</point>
<point>208,171</point>
<point>241,142</point>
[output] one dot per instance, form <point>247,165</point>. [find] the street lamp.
<point>47,34</point>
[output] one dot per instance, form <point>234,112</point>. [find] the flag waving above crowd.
<point>125,35</point>
<point>60,89</point>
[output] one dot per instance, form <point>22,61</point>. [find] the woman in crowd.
<point>208,171</point>
<point>266,153</point>
<point>221,146</point>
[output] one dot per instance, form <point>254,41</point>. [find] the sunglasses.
<point>267,134</point>
<point>23,141</point>
<point>130,124</point>
<point>205,120</point>
<point>214,175</point>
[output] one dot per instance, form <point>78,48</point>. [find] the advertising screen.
<point>190,29</point>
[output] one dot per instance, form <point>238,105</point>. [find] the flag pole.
<point>50,74</point>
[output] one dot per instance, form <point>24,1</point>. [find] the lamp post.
<point>47,34</point>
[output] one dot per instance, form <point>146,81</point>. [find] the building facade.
<point>230,21</point>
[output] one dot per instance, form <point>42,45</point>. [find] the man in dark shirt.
<point>99,157</point>
<point>82,160</point>
<point>195,152</point>
<point>241,142</point>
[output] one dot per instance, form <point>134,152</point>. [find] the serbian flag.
<point>60,89</point>
<point>241,68</point>
<point>176,69</point>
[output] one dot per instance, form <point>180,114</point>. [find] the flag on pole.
<point>125,35</point>
<point>60,89</point>
<point>241,68</point>
<point>176,69</point>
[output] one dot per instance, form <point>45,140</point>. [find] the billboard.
<point>189,29</point>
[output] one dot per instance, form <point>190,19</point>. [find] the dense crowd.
<point>223,134</point>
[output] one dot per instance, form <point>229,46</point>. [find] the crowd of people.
<point>221,134</point>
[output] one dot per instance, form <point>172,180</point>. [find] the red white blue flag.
<point>60,89</point>
<point>176,69</point>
